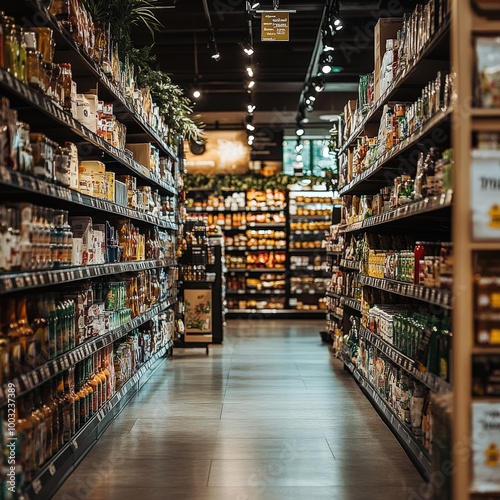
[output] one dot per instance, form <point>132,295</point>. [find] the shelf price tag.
<point>52,469</point>
<point>74,444</point>
<point>36,485</point>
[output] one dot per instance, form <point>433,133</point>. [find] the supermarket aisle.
<point>267,416</point>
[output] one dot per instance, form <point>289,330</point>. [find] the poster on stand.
<point>485,446</point>
<point>485,195</point>
<point>198,315</point>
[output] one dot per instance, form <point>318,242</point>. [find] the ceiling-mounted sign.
<point>275,26</point>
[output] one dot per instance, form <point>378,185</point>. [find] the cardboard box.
<point>141,153</point>
<point>91,167</point>
<point>387,28</point>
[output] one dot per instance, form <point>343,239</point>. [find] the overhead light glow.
<point>299,132</point>
<point>250,71</point>
<point>318,84</point>
<point>298,148</point>
<point>216,56</point>
<point>254,5</point>
<point>338,24</point>
<point>251,108</point>
<point>298,158</point>
<point>247,48</point>
<point>250,127</point>
<point>251,83</point>
<point>196,94</point>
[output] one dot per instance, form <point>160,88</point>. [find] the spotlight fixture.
<point>212,45</point>
<point>251,108</point>
<point>251,84</point>
<point>250,71</point>
<point>337,23</point>
<point>299,131</point>
<point>196,93</point>
<point>250,127</point>
<point>251,138</point>
<point>247,48</point>
<point>328,43</point>
<point>318,84</point>
<point>299,146</point>
<point>298,158</point>
<point>254,5</point>
<point>326,62</point>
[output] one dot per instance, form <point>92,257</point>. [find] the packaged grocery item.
<point>488,68</point>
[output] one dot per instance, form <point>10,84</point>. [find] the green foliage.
<point>225,182</point>
<point>122,16</point>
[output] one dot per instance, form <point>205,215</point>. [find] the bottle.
<point>10,46</point>
<point>16,350</point>
<point>26,337</point>
<point>52,402</point>
<point>74,400</point>
<point>53,328</point>
<point>25,438</point>
<point>65,406</point>
<point>39,425</point>
<point>66,80</point>
<point>95,383</point>
<point>42,399</point>
<point>102,376</point>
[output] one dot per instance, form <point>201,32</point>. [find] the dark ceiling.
<point>281,68</point>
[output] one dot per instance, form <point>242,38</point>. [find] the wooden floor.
<point>270,415</point>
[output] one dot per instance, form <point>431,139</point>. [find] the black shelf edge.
<point>41,374</point>
<point>319,218</point>
<point>56,470</point>
<point>400,80</point>
<point>334,252</point>
<point>49,108</point>
<point>229,211</point>
<point>103,79</point>
<point>350,302</point>
<point>354,265</point>
<point>333,295</point>
<point>334,315</point>
<point>255,292</point>
<point>411,210</point>
<point>300,232</point>
<point>437,296</point>
<point>251,270</point>
<point>417,453</point>
<point>278,312</point>
<point>266,225</point>
<point>44,188</point>
<point>433,382</point>
<point>404,145</point>
<point>307,250</point>
<point>33,279</point>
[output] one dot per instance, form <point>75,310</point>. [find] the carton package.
<point>142,153</point>
<point>92,100</point>
<point>386,28</point>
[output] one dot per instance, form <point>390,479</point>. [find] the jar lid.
<point>30,40</point>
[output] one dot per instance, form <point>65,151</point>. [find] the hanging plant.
<point>122,16</point>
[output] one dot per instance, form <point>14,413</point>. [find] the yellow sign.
<point>275,26</point>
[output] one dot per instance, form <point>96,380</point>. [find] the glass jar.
<point>45,43</point>
<point>2,34</point>
<point>65,80</point>
<point>55,87</point>
<point>34,62</point>
<point>60,9</point>
<point>419,254</point>
<point>10,46</point>
<point>22,66</point>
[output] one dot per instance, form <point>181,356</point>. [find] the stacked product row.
<point>293,221</point>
